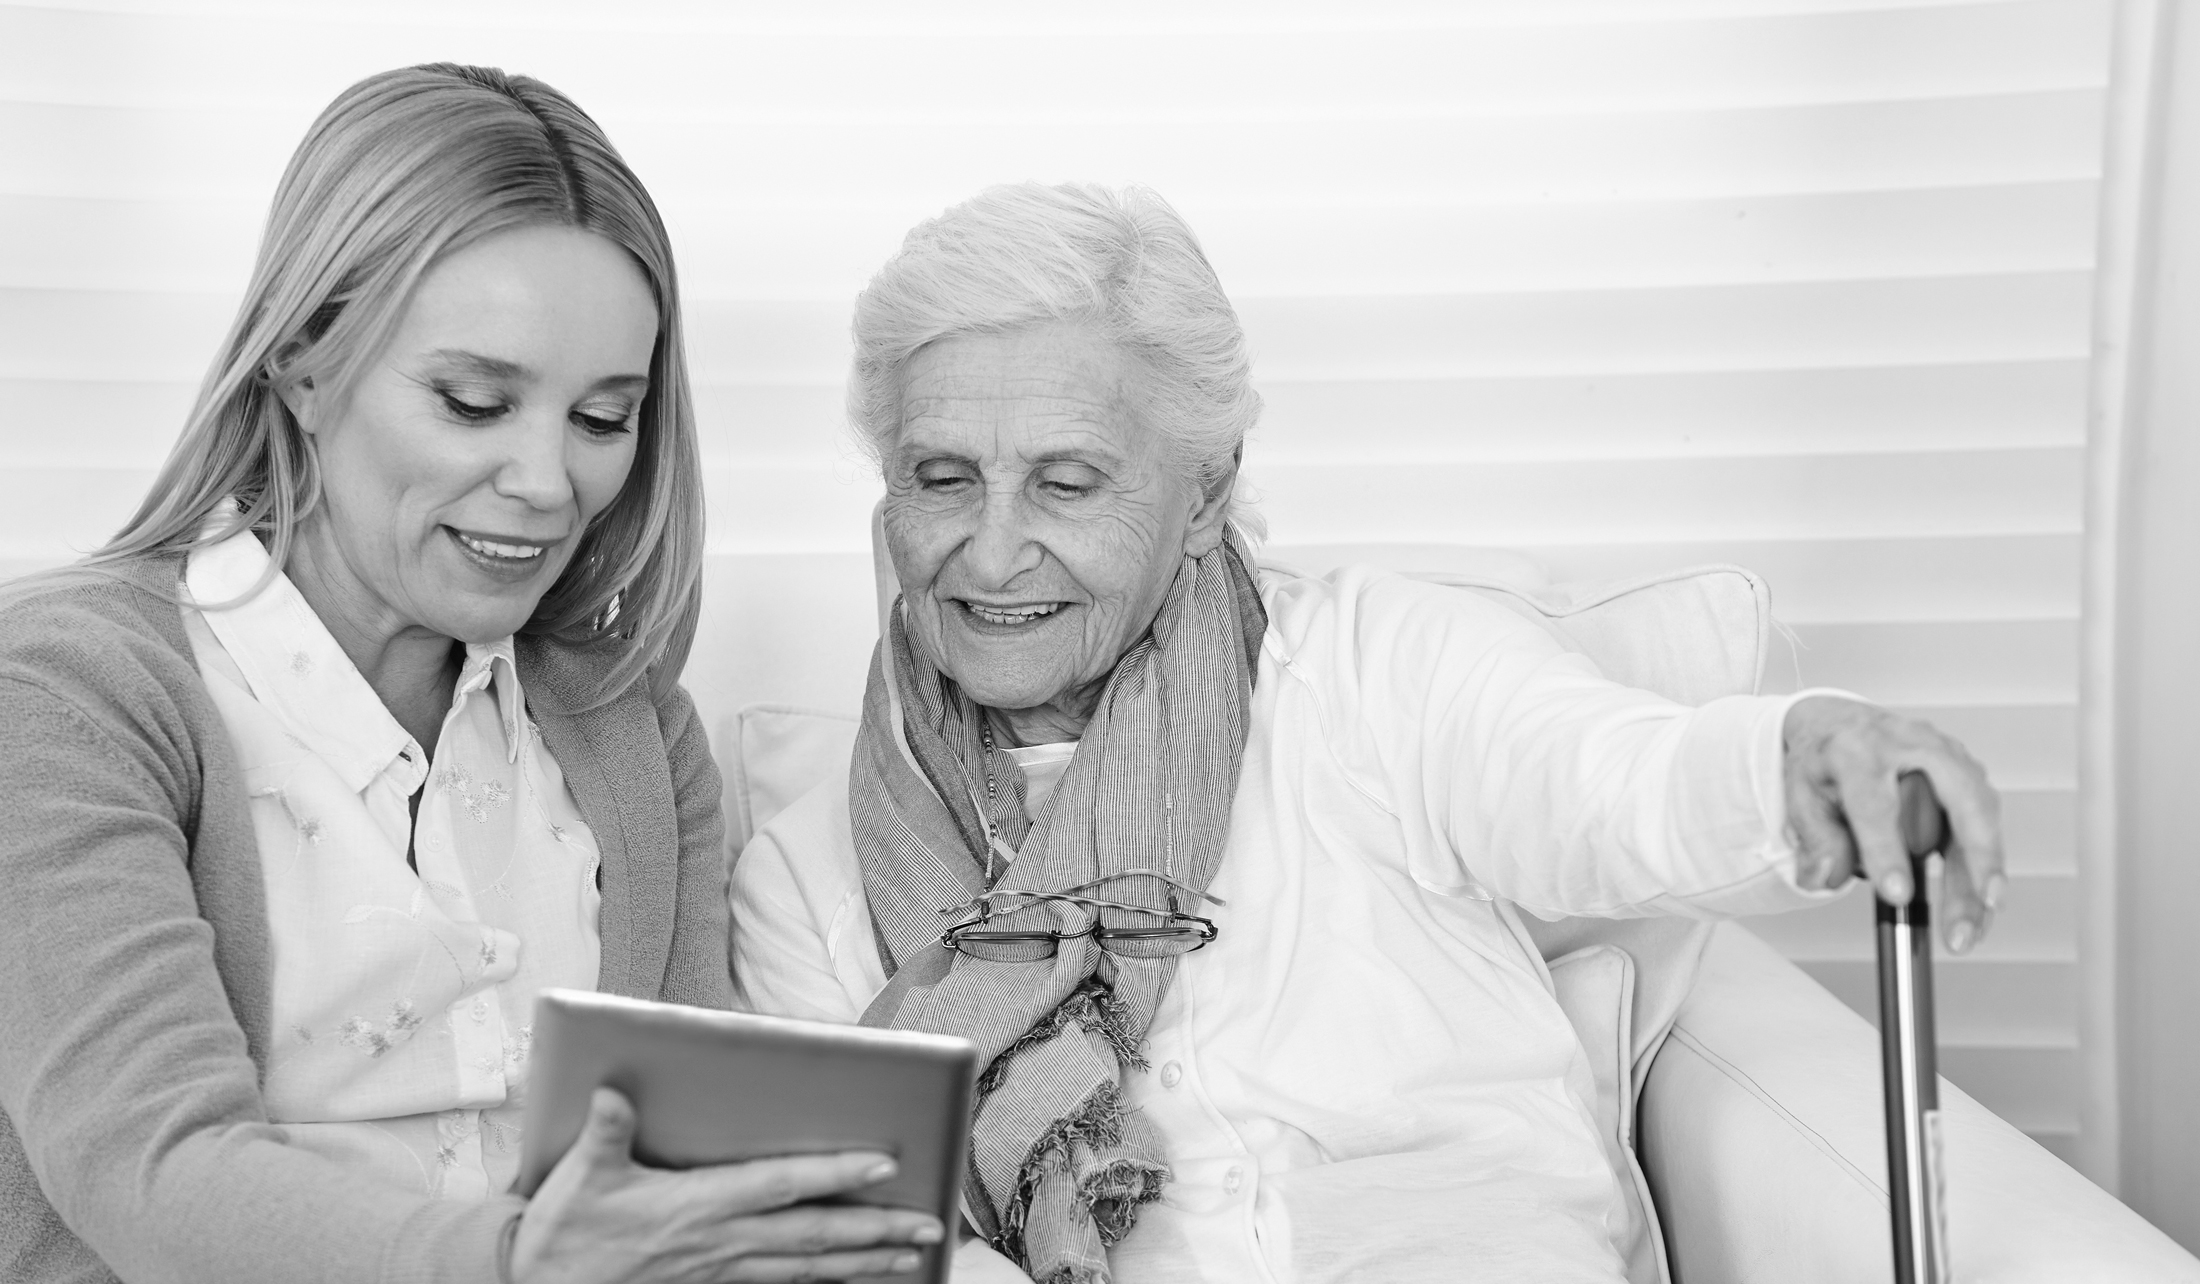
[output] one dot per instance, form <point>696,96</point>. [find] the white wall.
<point>1801,284</point>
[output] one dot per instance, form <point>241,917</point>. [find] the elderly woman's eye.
<point>1068,482</point>
<point>942,477</point>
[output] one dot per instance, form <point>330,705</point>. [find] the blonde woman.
<point>364,730</point>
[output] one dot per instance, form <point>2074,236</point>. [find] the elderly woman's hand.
<point>1844,763</point>
<point>601,1217</point>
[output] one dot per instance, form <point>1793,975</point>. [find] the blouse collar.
<point>299,673</point>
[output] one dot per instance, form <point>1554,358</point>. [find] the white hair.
<point>1119,261</point>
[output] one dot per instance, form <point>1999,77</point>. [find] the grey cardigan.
<point>133,951</point>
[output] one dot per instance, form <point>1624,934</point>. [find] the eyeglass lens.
<point>1181,935</point>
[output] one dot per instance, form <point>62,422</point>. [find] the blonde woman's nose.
<point>536,468</point>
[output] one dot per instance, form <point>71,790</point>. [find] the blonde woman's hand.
<point>600,1217</point>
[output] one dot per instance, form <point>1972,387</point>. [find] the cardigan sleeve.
<point>123,1069</point>
<point>695,970</point>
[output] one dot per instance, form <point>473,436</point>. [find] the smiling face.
<point>460,472</point>
<point>1034,520</point>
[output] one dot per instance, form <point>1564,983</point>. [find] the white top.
<point>1367,1074</point>
<point>402,1002</point>
<point>1044,766</point>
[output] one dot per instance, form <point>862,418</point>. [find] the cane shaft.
<point>1907,1054</point>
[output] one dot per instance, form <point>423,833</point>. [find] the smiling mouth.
<point>1011,615</point>
<point>500,551</point>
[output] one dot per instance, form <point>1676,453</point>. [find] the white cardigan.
<point>1367,1075</point>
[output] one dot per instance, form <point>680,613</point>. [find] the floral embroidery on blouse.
<point>477,800</point>
<point>503,1136</point>
<point>359,1032</point>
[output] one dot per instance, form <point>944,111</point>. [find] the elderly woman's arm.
<point>122,1068</point>
<point>1553,787</point>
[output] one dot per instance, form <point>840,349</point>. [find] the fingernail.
<point>906,1262</point>
<point>1995,886</point>
<point>880,1171</point>
<point>1895,887</point>
<point>926,1235</point>
<point>1959,936</point>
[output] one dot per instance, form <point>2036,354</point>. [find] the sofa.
<point>1741,1096</point>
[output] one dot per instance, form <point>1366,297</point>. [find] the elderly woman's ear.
<point>1212,519</point>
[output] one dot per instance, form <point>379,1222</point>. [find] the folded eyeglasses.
<point>1175,933</point>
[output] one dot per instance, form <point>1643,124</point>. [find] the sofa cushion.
<point>774,754</point>
<point>1595,988</point>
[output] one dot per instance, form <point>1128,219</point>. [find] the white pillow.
<point>773,754</point>
<point>1691,635</point>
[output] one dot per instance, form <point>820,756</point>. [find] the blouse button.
<point>1171,1074</point>
<point>1233,1179</point>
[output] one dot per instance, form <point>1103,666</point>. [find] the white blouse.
<point>402,1001</point>
<point>1367,1075</point>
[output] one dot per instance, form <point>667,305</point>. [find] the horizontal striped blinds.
<point>1799,284</point>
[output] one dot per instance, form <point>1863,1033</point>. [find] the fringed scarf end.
<point>1116,1192</point>
<point>1096,1125</point>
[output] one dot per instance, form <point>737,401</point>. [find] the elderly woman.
<point>1233,861</point>
<point>363,731</point>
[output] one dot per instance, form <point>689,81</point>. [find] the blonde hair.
<point>1117,260</point>
<point>402,169</point>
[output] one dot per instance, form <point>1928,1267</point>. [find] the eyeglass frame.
<point>1101,933</point>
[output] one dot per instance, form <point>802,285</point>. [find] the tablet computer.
<point>713,1087</point>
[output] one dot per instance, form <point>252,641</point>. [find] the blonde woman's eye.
<point>472,412</point>
<point>604,425</point>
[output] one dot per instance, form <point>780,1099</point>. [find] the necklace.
<point>994,846</point>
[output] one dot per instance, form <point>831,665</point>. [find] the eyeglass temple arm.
<point>982,903</point>
<point>1141,871</point>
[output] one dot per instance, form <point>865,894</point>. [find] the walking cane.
<point>1915,1192</point>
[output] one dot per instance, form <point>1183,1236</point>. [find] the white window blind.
<point>1622,285</point>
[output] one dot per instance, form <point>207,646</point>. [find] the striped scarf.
<point>1059,1166</point>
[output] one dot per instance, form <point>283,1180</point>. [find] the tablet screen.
<point>713,1087</point>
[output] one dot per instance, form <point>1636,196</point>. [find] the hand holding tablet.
<point>753,1147</point>
<point>745,1220</point>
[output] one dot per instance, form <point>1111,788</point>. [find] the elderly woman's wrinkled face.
<point>1034,520</point>
<point>460,473</point>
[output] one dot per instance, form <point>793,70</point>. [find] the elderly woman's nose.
<point>1000,546</point>
<point>535,468</point>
